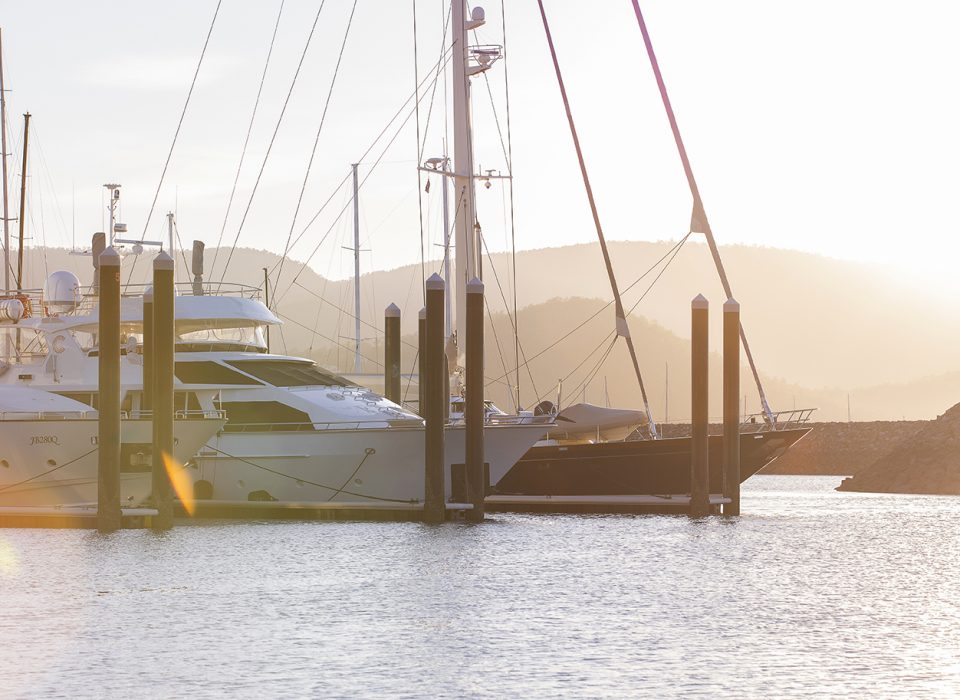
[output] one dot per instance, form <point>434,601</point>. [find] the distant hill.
<point>820,328</point>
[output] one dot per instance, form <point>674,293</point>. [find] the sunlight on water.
<point>9,561</point>
<point>811,593</point>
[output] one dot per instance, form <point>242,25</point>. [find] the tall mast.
<point>698,220</point>
<point>170,224</point>
<point>465,239</point>
<point>448,298</point>
<point>3,146</point>
<point>23,198</point>
<point>356,270</point>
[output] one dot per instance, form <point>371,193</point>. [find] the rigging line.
<point>316,140</point>
<point>433,92</point>
<point>347,312</point>
<point>416,107</point>
<point>416,358</point>
<point>592,374</point>
<point>273,137</point>
<point>513,324</point>
<point>699,215</point>
<point>183,113</point>
<point>305,481</point>
<point>513,238</point>
<point>49,471</point>
<point>363,157</point>
<point>346,206</point>
<point>496,339</point>
<point>351,349</point>
<point>246,140</point>
<point>676,250</point>
<point>622,326</point>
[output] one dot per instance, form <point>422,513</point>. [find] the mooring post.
<point>476,484</point>
<point>421,361</point>
<point>700,455</point>
<point>146,397</point>
<point>731,406</point>
<point>163,334</point>
<point>108,433</point>
<point>391,353</point>
<point>434,506</point>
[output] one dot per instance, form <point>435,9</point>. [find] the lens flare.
<point>180,480</point>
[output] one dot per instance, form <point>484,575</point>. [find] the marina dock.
<point>71,517</point>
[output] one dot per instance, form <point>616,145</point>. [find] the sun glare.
<point>9,560</point>
<point>182,485</point>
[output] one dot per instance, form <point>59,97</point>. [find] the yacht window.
<point>264,416</point>
<point>209,373</point>
<point>290,373</point>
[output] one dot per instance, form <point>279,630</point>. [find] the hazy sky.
<point>823,126</point>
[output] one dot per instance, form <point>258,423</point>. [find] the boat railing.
<point>192,414</point>
<point>47,415</point>
<point>782,420</point>
<point>317,427</point>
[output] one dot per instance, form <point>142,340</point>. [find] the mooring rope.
<point>313,483</point>
<point>49,471</point>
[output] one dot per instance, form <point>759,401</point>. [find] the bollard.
<point>421,364</point>
<point>434,506</point>
<point>146,398</point>
<point>731,406</point>
<point>474,413</point>
<point>163,307</point>
<point>700,457</point>
<point>108,432</point>
<point>391,352</point>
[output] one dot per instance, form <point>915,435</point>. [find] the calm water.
<point>811,593</point>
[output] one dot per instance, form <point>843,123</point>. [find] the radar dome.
<point>61,291</point>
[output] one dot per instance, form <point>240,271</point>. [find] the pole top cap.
<point>435,282</point>
<point>393,311</point>
<point>699,302</point>
<point>109,257</point>
<point>731,305</point>
<point>422,315</point>
<point>163,261</point>
<point>475,286</point>
<point>148,295</point>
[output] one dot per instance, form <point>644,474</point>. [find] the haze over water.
<point>811,592</point>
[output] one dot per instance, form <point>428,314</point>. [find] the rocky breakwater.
<point>926,462</point>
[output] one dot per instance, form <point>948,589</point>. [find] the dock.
<point>70,517</point>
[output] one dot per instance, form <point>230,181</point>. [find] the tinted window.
<point>264,415</point>
<point>209,373</point>
<point>289,373</point>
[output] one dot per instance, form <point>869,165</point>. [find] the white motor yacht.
<point>48,449</point>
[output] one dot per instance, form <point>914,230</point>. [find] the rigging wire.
<point>363,157</point>
<point>183,113</point>
<point>246,140</point>
<point>342,211</point>
<point>316,140</point>
<point>416,102</point>
<point>273,137</point>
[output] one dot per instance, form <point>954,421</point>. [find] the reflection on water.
<point>811,592</point>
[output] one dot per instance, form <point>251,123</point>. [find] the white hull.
<point>370,465</point>
<point>54,462</point>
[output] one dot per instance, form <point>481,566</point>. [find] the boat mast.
<point>356,270</point>
<point>448,298</point>
<point>465,241</point>
<point>170,223</point>
<point>3,146</point>
<point>23,199</point>
<point>698,220</point>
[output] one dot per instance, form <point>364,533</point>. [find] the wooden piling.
<point>474,413</point>
<point>391,352</point>
<point>421,359</point>
<point>163,333</point>
<point>434,507</point>
<point>108,432</point>
<point>700,356</point>
<point>146,397</point>
<point>731,406</point>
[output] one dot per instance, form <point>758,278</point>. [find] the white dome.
<point>61,291</point>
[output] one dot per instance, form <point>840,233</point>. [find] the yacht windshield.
<point>289,373</point>
<point>219,338</point>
